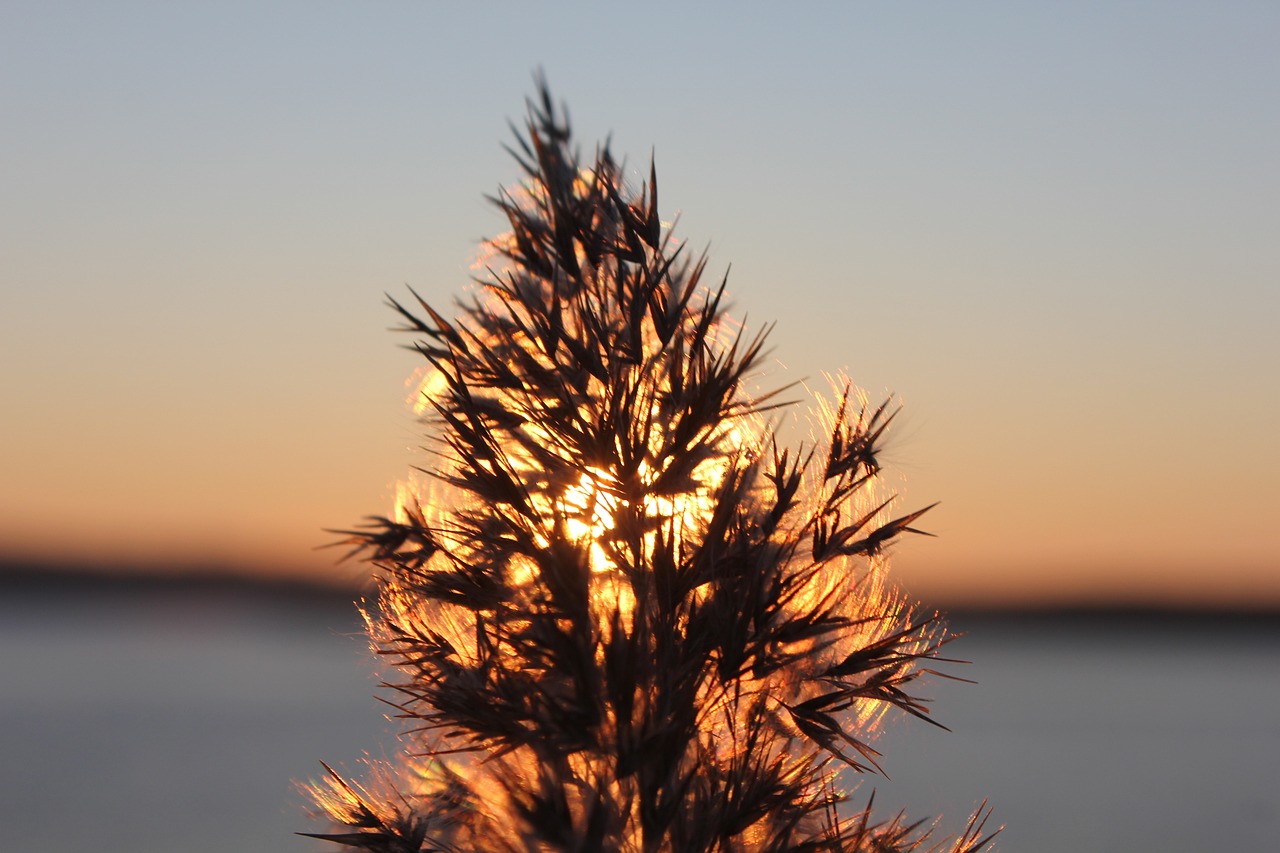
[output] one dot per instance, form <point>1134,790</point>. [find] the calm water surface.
<point>162,723</point>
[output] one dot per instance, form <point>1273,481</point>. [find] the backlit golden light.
<point>615,606</point>
<point>588,510</point>
<point>588,507</point>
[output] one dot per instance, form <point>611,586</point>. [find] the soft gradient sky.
<point>1053,229</point>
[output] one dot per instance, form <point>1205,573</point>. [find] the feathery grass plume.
<point>625,619</point>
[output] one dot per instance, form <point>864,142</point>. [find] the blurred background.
<point>1052,232</point>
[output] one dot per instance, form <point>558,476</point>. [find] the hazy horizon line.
<point>70,577</point>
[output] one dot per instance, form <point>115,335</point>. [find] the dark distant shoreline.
<point>1118,617</point>
<point>18,579</point>
<point>25,578</point>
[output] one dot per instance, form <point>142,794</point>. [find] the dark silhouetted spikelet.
<point>619,617</point>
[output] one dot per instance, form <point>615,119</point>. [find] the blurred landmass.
<point>26,578</point>
<point>228,590</point>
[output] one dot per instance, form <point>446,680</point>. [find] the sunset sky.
<point>1052,229</point>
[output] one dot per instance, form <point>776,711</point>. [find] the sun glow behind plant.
<point>620,614</point>
<point>587,510</point>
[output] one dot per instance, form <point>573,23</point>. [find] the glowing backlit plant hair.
<point>625,619</point>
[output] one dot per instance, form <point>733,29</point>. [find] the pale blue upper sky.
<point>1053,229</point>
